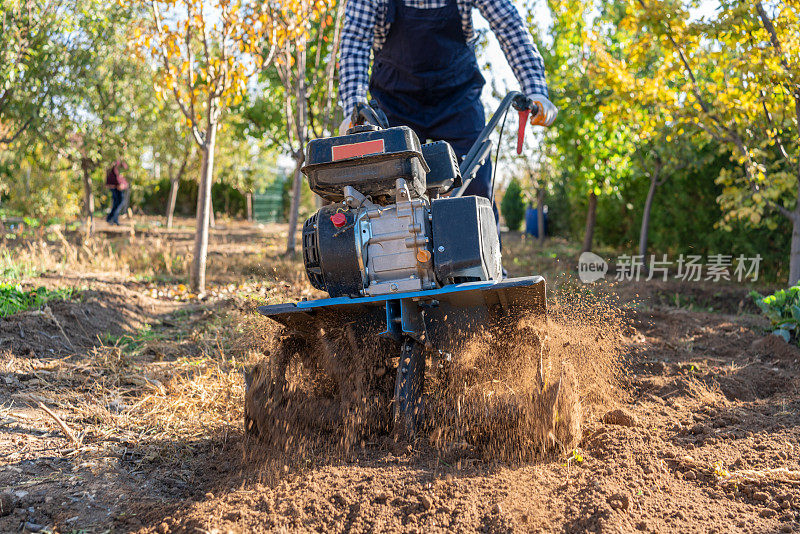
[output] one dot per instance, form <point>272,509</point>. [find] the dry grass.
<point>112,398</point>
<point>158,390</point>
<point>237,252</point>
<point>97,254</point>
<point>161,389</point>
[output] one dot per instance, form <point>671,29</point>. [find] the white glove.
<point>345,126</point>
<point>547,111</point>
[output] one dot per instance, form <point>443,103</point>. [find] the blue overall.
<point>426,77</point>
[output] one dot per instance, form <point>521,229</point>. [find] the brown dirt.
<point>326,391</point>
<point>107,311</point>
<point>699,432</point>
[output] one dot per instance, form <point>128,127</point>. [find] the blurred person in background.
<point>117,183</point>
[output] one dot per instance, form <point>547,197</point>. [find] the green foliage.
<point>14,300</point>
<point>11,269</point>
<point>593,153</point>
<point>725,72</point>
<point>685,217</point>
<point>30,57</point>
<point>225,199</point>
<point>783,311</point>
<point>34,190</point>
<point>631,110</point>
<point>513,206</point>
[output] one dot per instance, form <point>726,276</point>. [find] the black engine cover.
<point>444,174</point>
<point>330,255</point>
<point>466,247</point>
<point>369,161</point>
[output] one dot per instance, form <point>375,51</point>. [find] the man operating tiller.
<point>407,247</point>
<point>425,74</point>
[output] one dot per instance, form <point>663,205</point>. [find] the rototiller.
<point>400,247</point>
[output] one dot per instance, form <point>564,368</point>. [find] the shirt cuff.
<point>537,89</point>
<point>349,102</point>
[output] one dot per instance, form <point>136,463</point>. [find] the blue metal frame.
<point>431,293</point>
<point>419,314</point>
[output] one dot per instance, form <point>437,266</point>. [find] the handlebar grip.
<point>523,123</point>
<point>363,112</point>
<point>524,115</point>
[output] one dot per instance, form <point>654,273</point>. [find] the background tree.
<point>513,206</point>
<point>302,77</point>
<point>540,172</point>
<point>665,141</point>
<point>100,97</point>
<point>207,52</point>
<point>30,60</point>
<point>174,152</point>
<point>728,74</point>
<point>593,155</point>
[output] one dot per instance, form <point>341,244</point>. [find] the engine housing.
<point>384,234</point>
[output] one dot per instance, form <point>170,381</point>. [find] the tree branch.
<point>776,44</point>
<point>189,114</point>
<point>7,140</point>
<point>776,136</point>
<point>190,59</point>
<point>331,68</point>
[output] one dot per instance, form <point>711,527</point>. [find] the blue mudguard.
<point>435,318</point>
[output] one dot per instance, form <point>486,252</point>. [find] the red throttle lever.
<point>523,123</point>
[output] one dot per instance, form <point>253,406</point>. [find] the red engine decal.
<point>358,149</point>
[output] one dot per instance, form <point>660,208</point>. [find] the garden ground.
<point>700,433</point>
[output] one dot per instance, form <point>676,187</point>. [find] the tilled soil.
<point>105,311</point>
<point>706,441</point>
<point>701,435</point>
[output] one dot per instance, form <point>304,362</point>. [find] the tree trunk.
<point>212,218</point>
<point>794,258</point>
<point>248,197</point>
<point>648,204</point>
<point>591,217</point>
<point>174,184</point>
<point>540,214</point>
<point>173,198</point>
<point>198,275</point>
<point>88,199</point>
<point>302,122</point>
<point>294,212</point>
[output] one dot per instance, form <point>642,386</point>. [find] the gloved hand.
<point>346,123</point>
<point>547,111</point>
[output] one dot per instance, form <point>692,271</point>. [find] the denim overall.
<point>426,77</point>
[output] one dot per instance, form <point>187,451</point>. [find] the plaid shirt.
<point>365,27</point>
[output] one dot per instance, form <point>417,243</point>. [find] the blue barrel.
<point>532,222</point>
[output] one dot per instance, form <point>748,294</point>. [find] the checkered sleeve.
<point>358,34</point>
<point>517,44</point>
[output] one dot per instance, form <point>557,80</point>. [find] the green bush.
<point>226,199</point>
<point>685,217</point>
<point>513,206</point>
<point>14,300</point>
<point>783,311</point>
